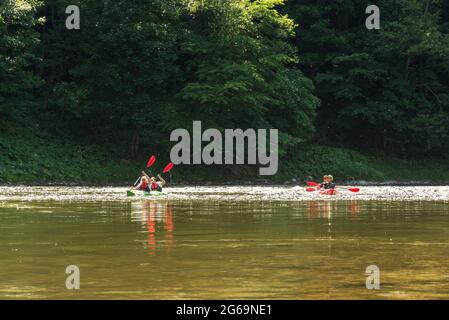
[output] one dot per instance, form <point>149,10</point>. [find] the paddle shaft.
<point>150,162</point>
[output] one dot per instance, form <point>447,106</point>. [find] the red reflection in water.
<point>354,208</point>
<point>154,215</point>
<point>321,209</point>
<point>169,226</point>
<point>325,209</point>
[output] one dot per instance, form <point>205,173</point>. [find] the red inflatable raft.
<point>330,192</point>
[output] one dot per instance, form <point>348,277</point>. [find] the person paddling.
<point>144,184</point>
<point>327,182</point>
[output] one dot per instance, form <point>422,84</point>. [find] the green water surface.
<point>160,249</point>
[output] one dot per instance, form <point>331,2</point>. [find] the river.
<point>224,243</point>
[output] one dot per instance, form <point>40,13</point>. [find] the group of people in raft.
<point>149,184</point>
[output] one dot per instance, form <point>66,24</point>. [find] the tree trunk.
<point>407,66</point>
<point>427,7</point>
<point>135,145</point>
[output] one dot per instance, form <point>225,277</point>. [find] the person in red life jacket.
<point>156,185</point>
<point>144,184</point>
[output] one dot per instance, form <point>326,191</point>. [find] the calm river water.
<point>228,248</point>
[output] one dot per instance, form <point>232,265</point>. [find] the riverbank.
<point>233,194</point>
<point>33,160</point>
<point>234,184</point>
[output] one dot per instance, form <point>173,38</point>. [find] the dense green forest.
<point>90,105</point>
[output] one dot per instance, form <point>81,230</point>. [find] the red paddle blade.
<point>312,184</point>
<point>310,189</point>
<point>168,167</point>
<point>354,189</point>
<point>151,161</point>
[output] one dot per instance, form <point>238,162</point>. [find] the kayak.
<point>330,192</point>
<point>130,193</point>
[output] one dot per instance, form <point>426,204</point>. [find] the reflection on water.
<point>163,249</point>
<point>325,209</point>
<point>155,216</point>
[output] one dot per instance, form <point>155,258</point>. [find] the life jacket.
<point>155,186</point>
<point>327,185</point>
<point>143,185</point>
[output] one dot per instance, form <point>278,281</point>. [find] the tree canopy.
<point>138,69</point>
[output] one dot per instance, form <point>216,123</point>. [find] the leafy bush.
<point>343,164</point>
<point>33,160</point>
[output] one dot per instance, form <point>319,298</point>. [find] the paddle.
<point>151,161</point>
<point>314,184</point>
<point>168,167</point>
